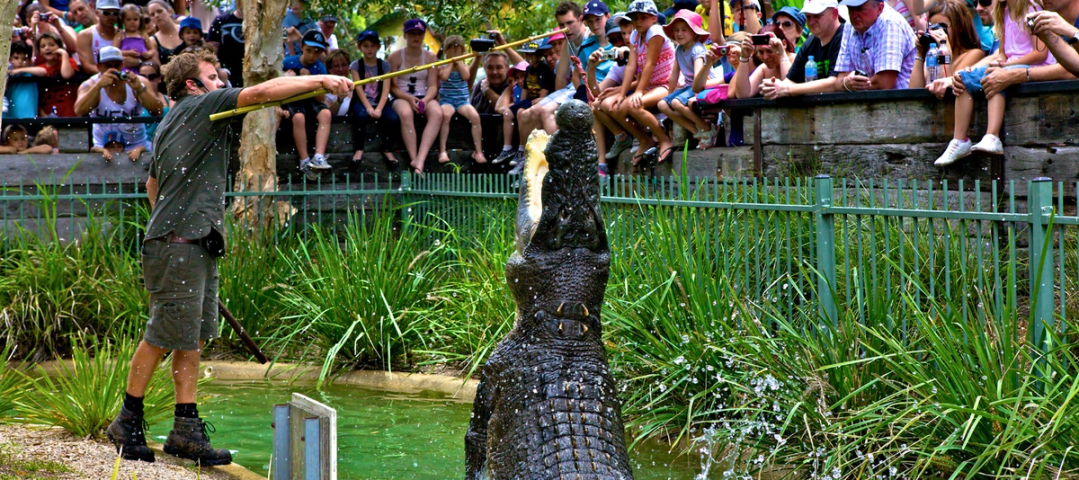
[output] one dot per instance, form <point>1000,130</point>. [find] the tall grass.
<point>85,396</point>
<point>355,299</point>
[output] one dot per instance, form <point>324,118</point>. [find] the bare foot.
<point>443,157</point>
<point>478,157</point>
<point>357,156</point>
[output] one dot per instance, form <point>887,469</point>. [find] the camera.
<point>619,55</point>
<point>122,75</point>
<point>925,39</point>
<point>723,51</point>
<point>44,17</point>
<point>759,40</point>
<point>19,30</point>
<point>480,45</point>
<point>1030,22</point>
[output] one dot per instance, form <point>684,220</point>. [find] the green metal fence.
<point>828,245</point>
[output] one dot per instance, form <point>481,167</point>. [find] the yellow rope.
<point>251,108</point>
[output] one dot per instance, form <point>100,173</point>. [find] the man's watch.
<point>1074,40</point>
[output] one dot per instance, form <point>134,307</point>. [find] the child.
<point>416,94</point>
<point>369,105</point>
<point>690,54</point>
<point>46,141</point>
<point>22,95</point>
<point>190,33</point>
<point>510,96</point>
<point>531,118</point>
<point>133,39</point>
<point>1019,48</point>
<point>58,98</point>
<point>454,98</point>
<point>651,59</point>
<point>308,63</point>
<point>538,82</point>
<point>608,99</point>
<point>14,139</point>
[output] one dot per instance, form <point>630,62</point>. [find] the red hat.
<point>692,19</point>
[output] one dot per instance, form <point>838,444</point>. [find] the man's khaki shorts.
<point>182,281</point>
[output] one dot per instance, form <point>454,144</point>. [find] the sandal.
<point>666,155</point>
<point>646,159</point>
<point>641,156</point>
<point>389,157</point>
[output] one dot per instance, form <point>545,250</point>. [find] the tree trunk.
<point>7,22</point>
<point>263,54</point>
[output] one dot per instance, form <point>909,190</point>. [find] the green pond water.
<point>380,434</point>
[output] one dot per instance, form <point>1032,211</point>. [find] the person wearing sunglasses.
<point>91,40</point>
<point>151,71</point>
<point>792,22</point>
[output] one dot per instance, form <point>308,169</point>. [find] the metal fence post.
<point>406,187</point>
<point>281,466</point>
<point>312,464</point>
<point>826,250</point>
<point>1041,261</point>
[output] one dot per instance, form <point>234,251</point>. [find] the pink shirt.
<point>1017,40</point>
<point>661,73</point>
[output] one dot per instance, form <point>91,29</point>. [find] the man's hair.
<point>567,7</point>
<point>494,54</point>
<point>21,47</point>
<point>184,67</point>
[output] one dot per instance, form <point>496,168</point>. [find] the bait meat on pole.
<point>251,108</point>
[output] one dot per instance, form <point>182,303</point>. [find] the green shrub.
<point>83,398</point>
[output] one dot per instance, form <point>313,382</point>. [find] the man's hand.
<point>498,38</point>
<point>107,79</point>
<point>773,89</point>
<point>858,83</point>
<point>998,79</point>
<point>133,82</point>
<point>577,63</point>
<point>485,85</point>
<point>939,87</point>
<point>293,35</point>
<point>339,86</point>
<point>1051,23</point>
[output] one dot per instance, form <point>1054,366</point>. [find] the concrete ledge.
<point>459,389</point>
<point>234,470</point>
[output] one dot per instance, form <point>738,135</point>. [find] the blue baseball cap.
<point>315,38</point>
<point>415,24</point>
<point>597,8</point>
<point>793,13</point>
<point>191,22</point>
<point>530,47</point>
<point>368,35</point>
<point>545,44</point>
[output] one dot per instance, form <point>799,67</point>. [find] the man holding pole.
<point>185,235</point>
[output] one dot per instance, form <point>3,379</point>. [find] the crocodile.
<point>546,406</point>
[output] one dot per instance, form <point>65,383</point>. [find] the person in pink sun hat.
<point>687,32</point>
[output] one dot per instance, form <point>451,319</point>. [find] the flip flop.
<point>390,157</point>
<point>667,154</point>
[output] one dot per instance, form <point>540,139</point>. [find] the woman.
<point>167,38</point>
<point>416,93</point>
<point>337,63</point>
<point>775,60</point>
<point>962,40</point>
<point>152,72</point>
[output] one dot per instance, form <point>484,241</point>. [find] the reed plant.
<point>86,395</point>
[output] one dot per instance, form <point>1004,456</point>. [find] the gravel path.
<point>91,459</point>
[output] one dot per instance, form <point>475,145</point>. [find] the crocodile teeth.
<point>559,311</point>
<point>585,307</point>
<point>584,329</point>
<point>559,327</point>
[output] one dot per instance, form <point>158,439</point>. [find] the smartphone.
<point>760,39</point>
<point>861,73</point>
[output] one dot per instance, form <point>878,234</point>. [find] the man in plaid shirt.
<point>878,53</point>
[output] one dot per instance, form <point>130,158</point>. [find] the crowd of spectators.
<point>636,68</point>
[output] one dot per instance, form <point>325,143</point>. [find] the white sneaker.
<point>307,167</point>
<point>956,150</point>
<point>707,138</point>
<point>319,162</point>
<point>990,144</point>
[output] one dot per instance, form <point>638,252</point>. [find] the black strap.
<point>363,73</point>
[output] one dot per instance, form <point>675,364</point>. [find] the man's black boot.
<point>190,439</point>
<point>128,433</point>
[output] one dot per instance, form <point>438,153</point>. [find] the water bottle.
<point>931,64</point>
<point>944,59</point>
<point>811,69</point>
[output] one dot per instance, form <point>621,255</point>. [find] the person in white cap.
<point>822,18</point>
<point>878,52</point>
<point>115,93</point>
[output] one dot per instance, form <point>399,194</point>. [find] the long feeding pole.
<point>303,96</point>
